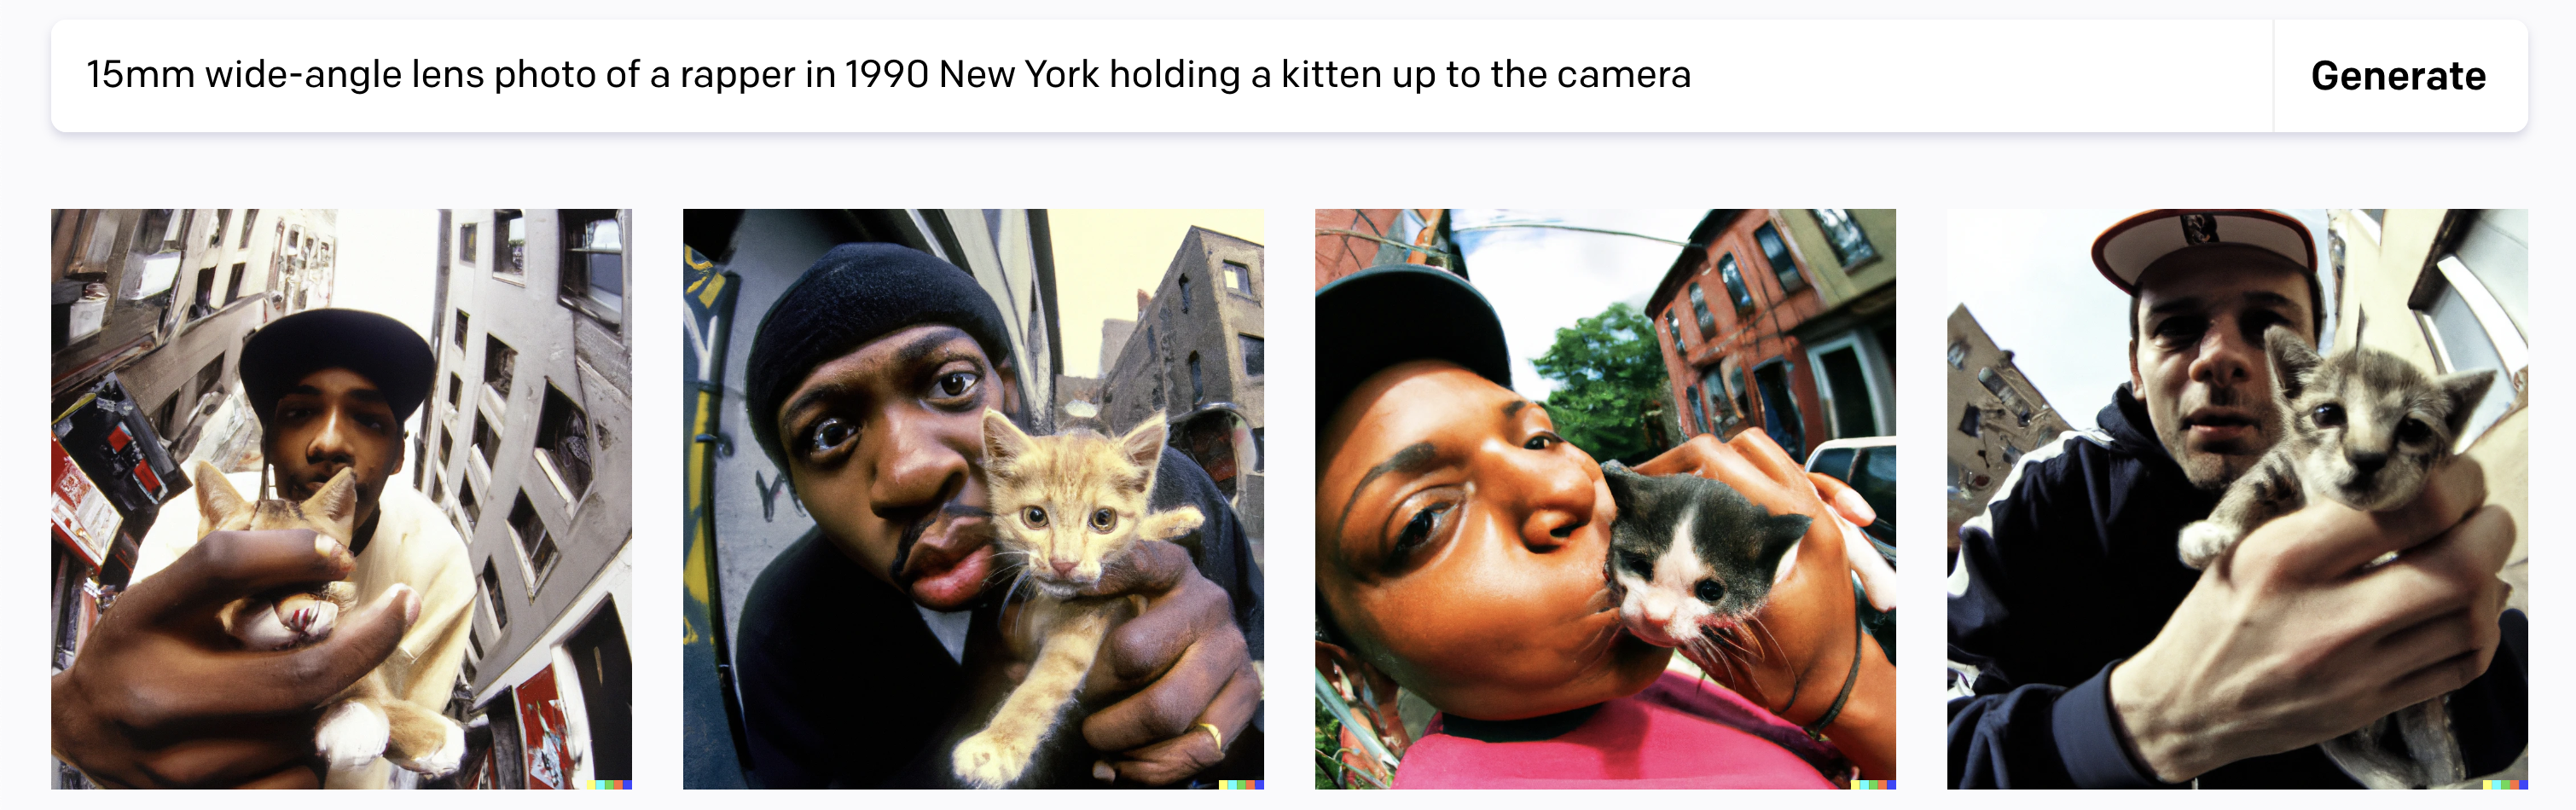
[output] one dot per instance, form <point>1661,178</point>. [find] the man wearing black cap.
<point>332,389</point>
<point>2084,654</point>
<point>864,645</point>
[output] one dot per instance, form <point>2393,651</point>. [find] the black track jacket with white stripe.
<point>2071,569</point>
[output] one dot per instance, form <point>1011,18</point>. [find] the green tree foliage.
<point>1611,385</point>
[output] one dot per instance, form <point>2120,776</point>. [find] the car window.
<point>1833,461</point>
<point>1875,478</point>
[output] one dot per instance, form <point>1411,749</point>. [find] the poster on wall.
<point>542,730</point>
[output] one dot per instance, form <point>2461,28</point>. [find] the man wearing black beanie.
<point>867,644</point>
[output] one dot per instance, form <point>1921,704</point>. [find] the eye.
<point>2328,415</point>
<point>1036,517</point>
<point>1710,591</point>
<point>2178,328</point>
<point>1542,441</point>
<point>1418,530</point>
<point>830,434</point>
<point>1637,564</point>
<point>1102,519</point>
<point>955,384</point>
<point>2413,430</point>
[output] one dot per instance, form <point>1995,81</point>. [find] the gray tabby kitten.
<point>1691,561</point>
<point>2367,429</point>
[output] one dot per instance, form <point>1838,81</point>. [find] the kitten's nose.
<point>1063,568</point>
<point>2366,463</point>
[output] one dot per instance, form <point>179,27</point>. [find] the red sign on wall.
<point>543,734</point>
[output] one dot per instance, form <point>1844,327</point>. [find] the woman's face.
<point>1459,545</point>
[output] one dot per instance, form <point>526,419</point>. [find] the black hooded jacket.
<point>2071,569</point>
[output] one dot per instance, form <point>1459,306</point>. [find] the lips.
<point>2219,425</point>
<point>945,567</point>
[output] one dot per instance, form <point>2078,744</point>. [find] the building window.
<point>1239,277</point>
<point>533,540</point>
<point>455,390</point>
<point>1776,251</point>
<point>249,218</point>
<point>592,277</point>
<point>1673,324</point>
<point>1699,416</point>
<point>487,442</point>
<point>1972,422</point>
<point>211,377</point>
<point>205,294</point>
<point>563,445</point>
<point>1185,295</point>
<point>461,321</point>
<point>437,489</point>
<point>512,257</point>
<point>1851,247</point>
<point>465,501</point>
<point>232,289</point>
<point>2470,304</point>
<point>1959,354</point>
<point>223,221</point>
<point>466,242</point>
<point>1734,279</point>
<point>446,448</point>
<point>1699,307</point>
<point>492,594</point>
<point>1252,360</point>
<point>499,363</point>
<point>1198,392</point>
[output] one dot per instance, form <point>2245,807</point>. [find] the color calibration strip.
<point>1873,784</point>
<point>2507,784</point>
<point>1238,784</point>
<point>610,784</point>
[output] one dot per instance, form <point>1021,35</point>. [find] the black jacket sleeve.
<point>1221,547</point>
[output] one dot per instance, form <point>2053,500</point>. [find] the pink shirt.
<point>1679,733</point>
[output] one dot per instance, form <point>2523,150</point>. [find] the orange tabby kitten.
<point>366,720</point>
<point>1063,506</point>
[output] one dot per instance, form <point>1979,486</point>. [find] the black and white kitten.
<point>1691,561</point>
<point>2367,429</point>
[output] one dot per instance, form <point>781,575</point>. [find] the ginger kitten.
<point>1063,507</point>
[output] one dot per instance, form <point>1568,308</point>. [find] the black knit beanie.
<point>856,293</point>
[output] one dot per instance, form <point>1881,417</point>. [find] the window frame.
<point>573,288</point>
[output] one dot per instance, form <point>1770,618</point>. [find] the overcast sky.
<point>1542,279</point>
<point>2029,278</point>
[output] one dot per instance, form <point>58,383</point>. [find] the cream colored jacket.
<point>415,545</point>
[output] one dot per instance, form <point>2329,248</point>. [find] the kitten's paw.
<point>351,735</point>
<point>989,760</point>
<point>438,764</point>
<point>2203,541</point>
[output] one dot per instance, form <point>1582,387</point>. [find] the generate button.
<point>2326,77</point>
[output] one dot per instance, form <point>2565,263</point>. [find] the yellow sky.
<point>1103,257</point>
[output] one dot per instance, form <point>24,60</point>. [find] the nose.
<point>1063,568</point>
<point>1560,499</point>
<point>2226,357</point>
<point>2365,464</point>
<point>331,443</point>
<point>916,469</point>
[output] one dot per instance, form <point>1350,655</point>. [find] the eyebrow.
<point>1412,458</point>
<point>925,345</point>
<point>359,394</point>
<point>1513,407</point>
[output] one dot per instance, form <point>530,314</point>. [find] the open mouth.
<point>944,558</point>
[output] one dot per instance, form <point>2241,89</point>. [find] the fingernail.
<point>1100,770</point>
<point>411,602</point>
<point>1852,504</point>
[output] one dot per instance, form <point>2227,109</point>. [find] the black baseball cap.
<point>1395,313</point>
<point>374,346</point>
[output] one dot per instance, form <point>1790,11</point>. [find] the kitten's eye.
<point>1637,564</point>
<point>1035,516</point>
<point>955,384</point>
<point>829,434</point>
<point>1710,591</point>
<point>2413,430</point>
<point>1103,519</point>
<point>2328,415</point>
<point>1542,441</point>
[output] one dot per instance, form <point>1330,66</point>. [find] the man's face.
<point>884,444</point>
<point>333,420</point>
<point>2198,359</point>
<point>1460,542</point>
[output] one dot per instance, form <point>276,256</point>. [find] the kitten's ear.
<point>1778,534</point>
<point>2465,389</point>
<point>337,504</point>
<point>2291,360</point>
<point>1143,446</point>
<point>1623,484</point>
<point>1003,441</point>
<point>217,500</point>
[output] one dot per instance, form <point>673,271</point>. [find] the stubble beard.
<point>2214,469</point>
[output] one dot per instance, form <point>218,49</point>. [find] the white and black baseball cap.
<point>2128,247</point>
